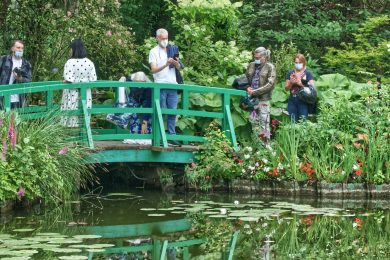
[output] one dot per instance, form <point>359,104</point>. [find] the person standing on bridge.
<point>261,76</point>
<point>77,69</point>
<point>15,69</point>
<point>165,65</point>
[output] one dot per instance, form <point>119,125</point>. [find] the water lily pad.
<point>95,250</point>
<point>177,201</point>
<point>178,212</point>
<point>255,202</point>
<point>64,250</point>
<point>87,236</point>
<point>23,230</point>
<point>73,257</point>
<point>156,215</point>
<point>65,241</point>
<point>218,216</point>
<point>17,258</point>
<point>50,234</point>
<point>148,209</point>
<point>5,236</point>
<point>249,219</point>
<point>94,246</point>
<point>121,194</point>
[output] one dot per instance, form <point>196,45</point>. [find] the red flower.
<point>358,172</point>
<point>358,220</point>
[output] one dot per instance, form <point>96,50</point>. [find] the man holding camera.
<point>165,65</point>
<point>15,69</point>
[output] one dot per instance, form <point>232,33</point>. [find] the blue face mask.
<point>298,66</point>
<point>18,54</point>
<point>257,62</point>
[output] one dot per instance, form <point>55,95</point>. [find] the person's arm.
<point>26,75</point>
<point>153,63</point>
<point>269,86</point>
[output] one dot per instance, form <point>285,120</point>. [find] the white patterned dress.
<point>75,71</point>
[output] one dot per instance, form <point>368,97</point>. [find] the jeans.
<point>168,99</point>
<point>296,108</point>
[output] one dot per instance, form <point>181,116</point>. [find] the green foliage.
<point>368,56</point>
<point>47,35</point>
<point>213,160</point>
<point>37,158</point>
<point>310,25</point>
<point>205,33</point>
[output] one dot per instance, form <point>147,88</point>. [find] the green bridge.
<point>107,142</point>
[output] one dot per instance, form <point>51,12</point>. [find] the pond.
<point>96,224</point>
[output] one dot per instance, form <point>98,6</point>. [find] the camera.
<point>175,56</point>
<point>18,71</point>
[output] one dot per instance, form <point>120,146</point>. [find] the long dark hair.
<point>78,49</point>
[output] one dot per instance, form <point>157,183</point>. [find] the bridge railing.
<point>158,135</point>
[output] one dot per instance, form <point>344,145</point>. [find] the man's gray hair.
<point>263,52</point>
<point>160,31</point>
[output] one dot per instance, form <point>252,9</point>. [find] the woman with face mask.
<point>295,80</point>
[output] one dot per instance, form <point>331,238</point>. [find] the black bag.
<point>241,83</point>
<point>308,94</point>
<point>248,103</point>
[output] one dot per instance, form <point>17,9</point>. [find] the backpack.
<point>308,94</point>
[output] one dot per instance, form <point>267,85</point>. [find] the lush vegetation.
<point>39,162</point>
<point>345,43</point>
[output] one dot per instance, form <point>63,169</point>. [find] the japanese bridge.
<point>106,141</point>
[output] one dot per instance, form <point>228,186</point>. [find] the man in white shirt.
<point>164,68</point>
<point>15,69</point>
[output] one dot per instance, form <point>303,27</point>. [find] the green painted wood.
<point>232,244</point>
<point>106,110</point>
<point>156,249</point>
<point>7,102</point>
<point>187,243</point>
<point>117,231</point>
<point>107,156</point>
<point>186,253</point>
<point>164,250</point>
<point>230,128</point>
<point>158,136</point>
<point>87,122</point>
<point>104,137</point>
<point>160,123</point>
<point>128,249</point>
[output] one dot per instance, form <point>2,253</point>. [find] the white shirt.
<point>16,63</point>
<point>159,56</point>
<point>79,70</point>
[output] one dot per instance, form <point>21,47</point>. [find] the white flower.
<point>243,171</point>
<point>280,166</point>
<point>264,160</point>
<point>265,225</point>
<point>267,169</point>
<point>355,167</point>
<point>257,164</point>
<point>247,156</point>
<point>247,226</point>
<point>249,149</point>
<point>236,202</point>
<point>354,224</point>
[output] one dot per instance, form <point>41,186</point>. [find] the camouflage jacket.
<point>263,92</point>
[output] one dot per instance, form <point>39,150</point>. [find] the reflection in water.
<point>271,227</point>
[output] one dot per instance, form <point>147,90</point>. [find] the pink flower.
<point>71,30</point>
<point>109,33</point>
<point>21,192</point>
<point>63,151</point>
<point>69,13</point>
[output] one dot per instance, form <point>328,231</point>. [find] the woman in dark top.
<point>295,80</point>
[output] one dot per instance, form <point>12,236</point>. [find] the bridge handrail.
<point>157,122</point>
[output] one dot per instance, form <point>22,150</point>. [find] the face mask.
<point>164,43</point>
<point>257,62</point>
<point>18,54</point>
<point>298,66</point>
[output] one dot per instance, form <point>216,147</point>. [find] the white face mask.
<point>164,43</point>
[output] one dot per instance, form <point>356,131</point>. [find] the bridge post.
<point>7,102</point>
<point>227,121</point>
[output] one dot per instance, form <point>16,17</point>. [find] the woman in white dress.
<point>77,69</point>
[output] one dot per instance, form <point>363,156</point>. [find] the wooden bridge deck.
<point>119,145</point>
